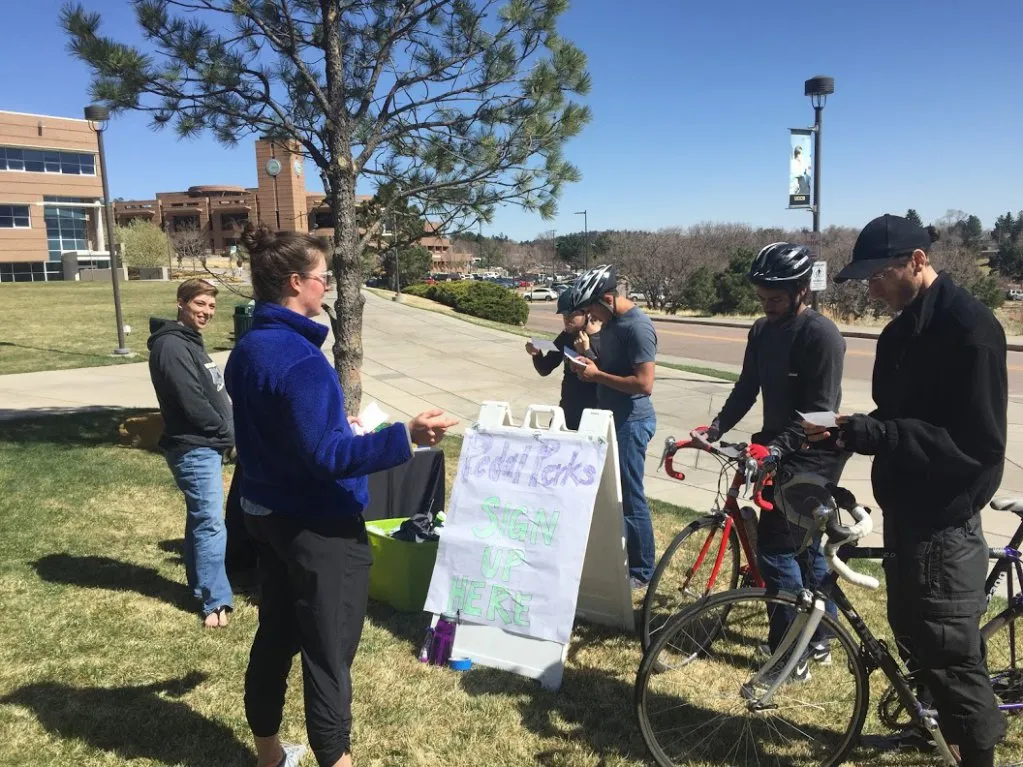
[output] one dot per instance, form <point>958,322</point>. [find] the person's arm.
<point>822,359</point>
<point>744,394</point>
<point>314,410</point>
<point>184,384</point>
<point>974,437</point>
<point>643,353</point>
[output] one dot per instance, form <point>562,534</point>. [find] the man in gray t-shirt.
<point>624,373</point>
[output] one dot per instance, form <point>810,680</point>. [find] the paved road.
<point>726,345</point>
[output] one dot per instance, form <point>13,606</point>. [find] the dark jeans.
<point>785,571</point>
<point>633,439</point>
<point>314,578</point>
<point>935,603</point>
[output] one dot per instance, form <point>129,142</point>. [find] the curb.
<point>870,335</point>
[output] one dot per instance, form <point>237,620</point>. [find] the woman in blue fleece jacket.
<point>303,491</point>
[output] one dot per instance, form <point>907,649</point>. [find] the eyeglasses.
<point>884,271</point>
<point>327,277</point>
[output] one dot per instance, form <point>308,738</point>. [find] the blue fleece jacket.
<point>291,429</point>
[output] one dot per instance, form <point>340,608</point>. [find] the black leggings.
<point>314,579</point>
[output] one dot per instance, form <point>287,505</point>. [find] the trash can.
<point>242,320</point>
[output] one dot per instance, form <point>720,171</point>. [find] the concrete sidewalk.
<point>415,360</point>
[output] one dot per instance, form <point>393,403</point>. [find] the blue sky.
<point>691,103</point>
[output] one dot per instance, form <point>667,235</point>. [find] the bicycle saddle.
<point>1015,505</point>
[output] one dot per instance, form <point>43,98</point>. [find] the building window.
<point>66,228</point>
<point>323,219</point>
<point>41,161</point>
<point>230,221</point>
<point>14,217</point>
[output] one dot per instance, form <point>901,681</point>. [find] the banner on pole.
<point>800,168</point>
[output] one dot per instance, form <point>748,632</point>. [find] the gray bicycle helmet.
<point>567,300</point>
<point>780,265</point>
<point>594,284</point>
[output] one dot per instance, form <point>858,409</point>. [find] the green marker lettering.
<point>469,606</point>
<point>492,508</point>
<point>547,524</point>
<point>496,608</point>
<point>521,614</point>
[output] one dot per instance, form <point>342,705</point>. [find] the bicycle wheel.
<point>1003,636</point>
<point>678,583</point>
<point>693,694</point>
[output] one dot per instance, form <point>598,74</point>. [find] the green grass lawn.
<point>103,662</point>
<point>58,325</point>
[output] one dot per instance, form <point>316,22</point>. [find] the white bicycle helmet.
<point>594,284</point>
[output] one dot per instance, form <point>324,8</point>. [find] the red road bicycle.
<point>714,553</point>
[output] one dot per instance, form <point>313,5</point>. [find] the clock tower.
<point>281,190</point>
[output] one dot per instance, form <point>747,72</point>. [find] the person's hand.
<point>592,325</point>
<point>532,350</point>
<point>231,455</point>
<point>354,420</point>
<point>710,433</point>
<point>429,427</point>
<point>861,434</point>
<point>582,342</point>
<point>588,371</point>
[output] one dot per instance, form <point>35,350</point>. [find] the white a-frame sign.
<point>534,536</point>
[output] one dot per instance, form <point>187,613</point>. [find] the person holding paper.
<point>625,380</point>
<point>937,439</point>
<point>303,494</point>
<point>794,359</point>
<point>580,337</point>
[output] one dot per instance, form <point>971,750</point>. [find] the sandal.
<point>216,619</point>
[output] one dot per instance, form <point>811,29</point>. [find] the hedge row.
<point>478,299</point>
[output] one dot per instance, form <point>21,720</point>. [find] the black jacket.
<point>941,389</point>
<point>189,387</point>
<point>576,394</point>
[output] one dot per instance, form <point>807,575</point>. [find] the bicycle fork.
<point>809,612</point>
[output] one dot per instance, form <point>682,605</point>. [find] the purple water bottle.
<point>443,639</point>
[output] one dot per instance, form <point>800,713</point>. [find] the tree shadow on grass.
<point>72,426</point>
<point>134,722</point>
<point>175,547</point>
<point>93,572</point>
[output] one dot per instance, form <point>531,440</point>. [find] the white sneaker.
<point>293,753</point>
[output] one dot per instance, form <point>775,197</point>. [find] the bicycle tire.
<point>653,616</point>
<point>1006,671</point>
<point>743,603</point>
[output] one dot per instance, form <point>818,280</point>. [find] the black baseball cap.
<point>887,238</point>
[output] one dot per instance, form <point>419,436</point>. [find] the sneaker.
<point>820,654</point>
<point>636,584</point>
<point>801,673</point>
<point>293,753</point>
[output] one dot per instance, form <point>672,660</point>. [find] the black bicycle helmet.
<point>781,264</point>
<point>567,300</point>
<point>593,285</point>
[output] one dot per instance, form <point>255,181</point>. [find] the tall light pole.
<point>99,117</point>
<point>586,239</point>
<point>818,89</point>
<point>397,270</point>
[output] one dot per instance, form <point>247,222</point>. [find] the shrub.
<point>988,290</point>
<point>735,294</point>
<point>478,299</point>
<point>699,294</point>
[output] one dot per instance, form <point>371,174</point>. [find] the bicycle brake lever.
<point>669,443</point>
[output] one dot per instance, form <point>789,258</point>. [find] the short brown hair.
<point>275,256</point>
<point>189,289</point>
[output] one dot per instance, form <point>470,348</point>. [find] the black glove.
<point>714,431</point>
<point>863,434</point>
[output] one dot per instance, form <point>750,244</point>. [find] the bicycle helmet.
<point>781,265</point>
<point>567,300</point>
<point>593,285</point>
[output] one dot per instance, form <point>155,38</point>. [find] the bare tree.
<point>192,243</point>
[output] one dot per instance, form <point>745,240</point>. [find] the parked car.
<point>1015,294</point>
<point>541,294</point>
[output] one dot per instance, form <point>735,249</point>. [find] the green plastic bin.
<point>401,571</point>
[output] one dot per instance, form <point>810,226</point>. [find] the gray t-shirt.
<point>625,342</point>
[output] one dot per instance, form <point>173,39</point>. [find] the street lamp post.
<point>818,89</point>
<point>397,269</point>
<point>586,239</point>
<point>99,117</point>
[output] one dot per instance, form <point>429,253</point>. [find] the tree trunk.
<point>347,266</point>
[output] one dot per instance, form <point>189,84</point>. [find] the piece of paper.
<point>575,357</point>
<point>542,345</point>
<point>824,418</point>
<point>372,417</point>
<point>515,536</point>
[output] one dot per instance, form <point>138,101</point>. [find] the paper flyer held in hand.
<point>573,356</point>
<point>543,346</point>
<point>824,418</point>
<point>372,418</point>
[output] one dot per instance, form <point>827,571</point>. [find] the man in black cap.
<point>938,441</point>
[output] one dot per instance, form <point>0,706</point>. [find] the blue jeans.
<point>633,438</point>
<point>785,571</point>
<point>199,476</point>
